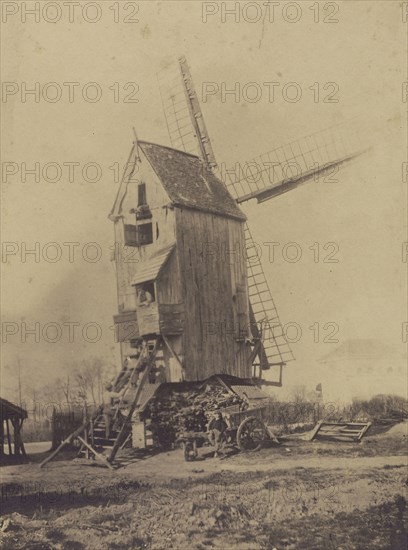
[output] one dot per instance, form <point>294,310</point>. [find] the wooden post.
<point>21,441</point>
<point>363,431</point>
<point>54,443</point>
<point>86,430</point>
<point>8,437</point>
<point>315,430</point>
<point>2,436</point>
<point>92,425</point>
<point>18,443</point>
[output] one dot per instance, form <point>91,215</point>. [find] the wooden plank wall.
<point>213,283</point>
<point>168,284</point>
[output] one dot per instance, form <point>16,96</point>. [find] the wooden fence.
<point>64,423</point>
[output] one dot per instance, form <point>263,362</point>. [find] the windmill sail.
<point>313,157</point>
<point>176,110</point>
<point>185,121</point>
<point>275,349</point>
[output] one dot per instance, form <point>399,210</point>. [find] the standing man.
<point>216,429</point>
<point>108,411</point>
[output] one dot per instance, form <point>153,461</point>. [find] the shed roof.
<point>188,182</point>
<point>249,392</point>
<point>149,269</point>
<point>147,392</point>
<point>10,410</point>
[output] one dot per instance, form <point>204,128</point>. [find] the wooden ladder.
<point>89,433</point>
<point>148,354</point>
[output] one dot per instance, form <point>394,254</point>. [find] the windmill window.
<point>141,194</point>
<point>145,294</point>
<point>131,235</point>
<point>138,235</point>
<point>145,233</point>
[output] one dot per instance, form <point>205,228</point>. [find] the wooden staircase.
<point>92,434</point>
<point>96,437</point>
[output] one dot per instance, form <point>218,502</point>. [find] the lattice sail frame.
<point>315,156</point>
<point>181,131</point>
<point>267,320</point>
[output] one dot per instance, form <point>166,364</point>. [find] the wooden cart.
<point>246,430</point>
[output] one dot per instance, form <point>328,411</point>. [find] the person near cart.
<point>216,431</point>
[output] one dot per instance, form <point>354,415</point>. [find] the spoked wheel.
<point>251,434</point>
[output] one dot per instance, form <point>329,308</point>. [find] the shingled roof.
<point>188,182</point>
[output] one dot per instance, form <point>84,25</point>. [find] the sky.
<point>362,295</point>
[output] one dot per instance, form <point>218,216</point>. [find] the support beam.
<point>8,437</point>
<point>173,353</point>
<point>1,437</point>
<point>70,438</point>
<point>98,456</point>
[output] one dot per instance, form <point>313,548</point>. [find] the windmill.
<point>186,313</point>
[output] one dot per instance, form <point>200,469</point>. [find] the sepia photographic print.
<point>204,275</point>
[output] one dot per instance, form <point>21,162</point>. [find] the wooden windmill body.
<point>200,296</point>
<point>182,238</point>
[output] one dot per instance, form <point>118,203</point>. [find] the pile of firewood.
<point>174,410</point>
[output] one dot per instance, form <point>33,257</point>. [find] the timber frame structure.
<point>11,420</point>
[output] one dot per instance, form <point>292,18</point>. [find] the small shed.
<point>12,417</point>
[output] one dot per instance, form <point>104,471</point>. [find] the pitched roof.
<point>10,410</point>
<point>149,269</point>
<point>188,182</point>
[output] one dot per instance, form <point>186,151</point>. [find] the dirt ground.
<point>299,495</point>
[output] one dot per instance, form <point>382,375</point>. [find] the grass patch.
<point>382,527</point>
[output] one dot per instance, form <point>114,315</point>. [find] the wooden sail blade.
<point>176,110</point>
<point>264,315</point>
<point>316,157</point>
<point>184,118</point>
<point>287,185</point>
<point>197,119</point>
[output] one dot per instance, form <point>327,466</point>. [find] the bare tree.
<point>89,378</point>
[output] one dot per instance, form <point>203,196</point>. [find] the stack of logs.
<point>176,410</point>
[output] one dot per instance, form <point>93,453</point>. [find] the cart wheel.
<point>251,434</point>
